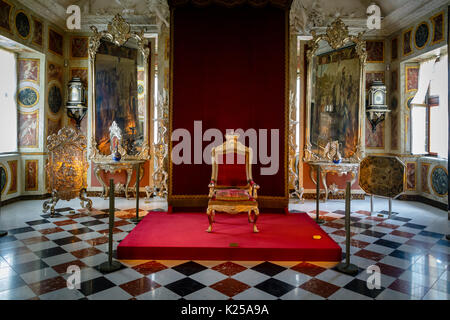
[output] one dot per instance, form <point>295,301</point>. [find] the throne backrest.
<point>231,163</point>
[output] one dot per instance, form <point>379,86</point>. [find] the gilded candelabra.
<point>160,149</point>
<point>293,154</point>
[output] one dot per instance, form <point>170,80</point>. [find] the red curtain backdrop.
<point>229,71</point>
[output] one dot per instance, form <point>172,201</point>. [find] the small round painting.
<point>421,35</point>
<point>22,25</point>
<point>28,97</point>
<point>55,99</point>
<point>439,180</point>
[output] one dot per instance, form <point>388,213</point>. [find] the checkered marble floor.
<point>409,248</point>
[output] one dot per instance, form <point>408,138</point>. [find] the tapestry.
<point>374,140</point>
<point>5,11</point>
<point>55,42</point>
<point>115,95</point>
<point>337,84</point>
<point>29,70</point>
<point>79,47</point>
<point>439,180</point>
<point>31,175</point>
<point>236,95</point>
<point>375,51</point>
<point>424,168</point>
<point>37,33</point>
<point>13,168</point>
<point>29,129</point>
<point>438,27</point>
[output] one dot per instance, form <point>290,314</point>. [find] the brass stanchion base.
<point>3,233</point>
<point>105,267</point>
<point>319,221</point>
<point>136,220</point>
<point>347,268</point>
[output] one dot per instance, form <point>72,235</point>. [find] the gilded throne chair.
<point>232,189</point>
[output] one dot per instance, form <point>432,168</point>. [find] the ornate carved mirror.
<point>335,96</point>
<point>119,73</point>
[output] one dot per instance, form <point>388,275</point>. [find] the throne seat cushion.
<point>232,195</point>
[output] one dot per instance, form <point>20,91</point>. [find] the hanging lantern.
<point>76,104</point>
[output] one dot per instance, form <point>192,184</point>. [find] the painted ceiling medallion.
<point>421,36</point>
<point>28,97</point>
<point>439,181</point>
<point>22,24</point>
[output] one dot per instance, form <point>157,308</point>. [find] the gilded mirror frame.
<point>118,33</point>
<point>337,36</point>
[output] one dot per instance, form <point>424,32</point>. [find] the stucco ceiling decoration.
<point>309,15</point>
<point>305,15</point>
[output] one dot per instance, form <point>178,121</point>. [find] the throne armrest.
<point>253,189</point>
<point>212,187</point>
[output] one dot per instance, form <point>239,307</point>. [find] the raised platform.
<point>182,236</point>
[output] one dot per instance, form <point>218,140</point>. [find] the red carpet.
<point>182,236</point>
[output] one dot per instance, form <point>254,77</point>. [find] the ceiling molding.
<point>408,14</point>
<point>48,9</point>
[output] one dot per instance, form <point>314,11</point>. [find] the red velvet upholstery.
<point>231,171</point>
<point>232,195</point>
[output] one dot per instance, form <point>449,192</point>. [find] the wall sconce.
<point>377,109</point>
<point>76,104</point>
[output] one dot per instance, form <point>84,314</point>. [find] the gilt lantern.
<point>76,102</point>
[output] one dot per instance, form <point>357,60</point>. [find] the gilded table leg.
<point>323,175</point>
<point>129,173</point>
<point>104,186</point>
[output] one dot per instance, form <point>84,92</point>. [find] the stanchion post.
<point>371,204</point>
<point>137,219</point>
<point>110,265</point>
<point>346,267</point>
<point>318,220</point>
<point>390,207</point>
<point>2,232</point>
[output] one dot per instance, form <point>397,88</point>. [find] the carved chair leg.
<point>210,214</point>
<point>255,229</point>
<point>250,220</point>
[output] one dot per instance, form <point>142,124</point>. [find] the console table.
<point>117,166</point>
<point>331,167</point>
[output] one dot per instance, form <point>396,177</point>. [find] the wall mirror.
<point>119,73</point>
<point>335,96</point>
